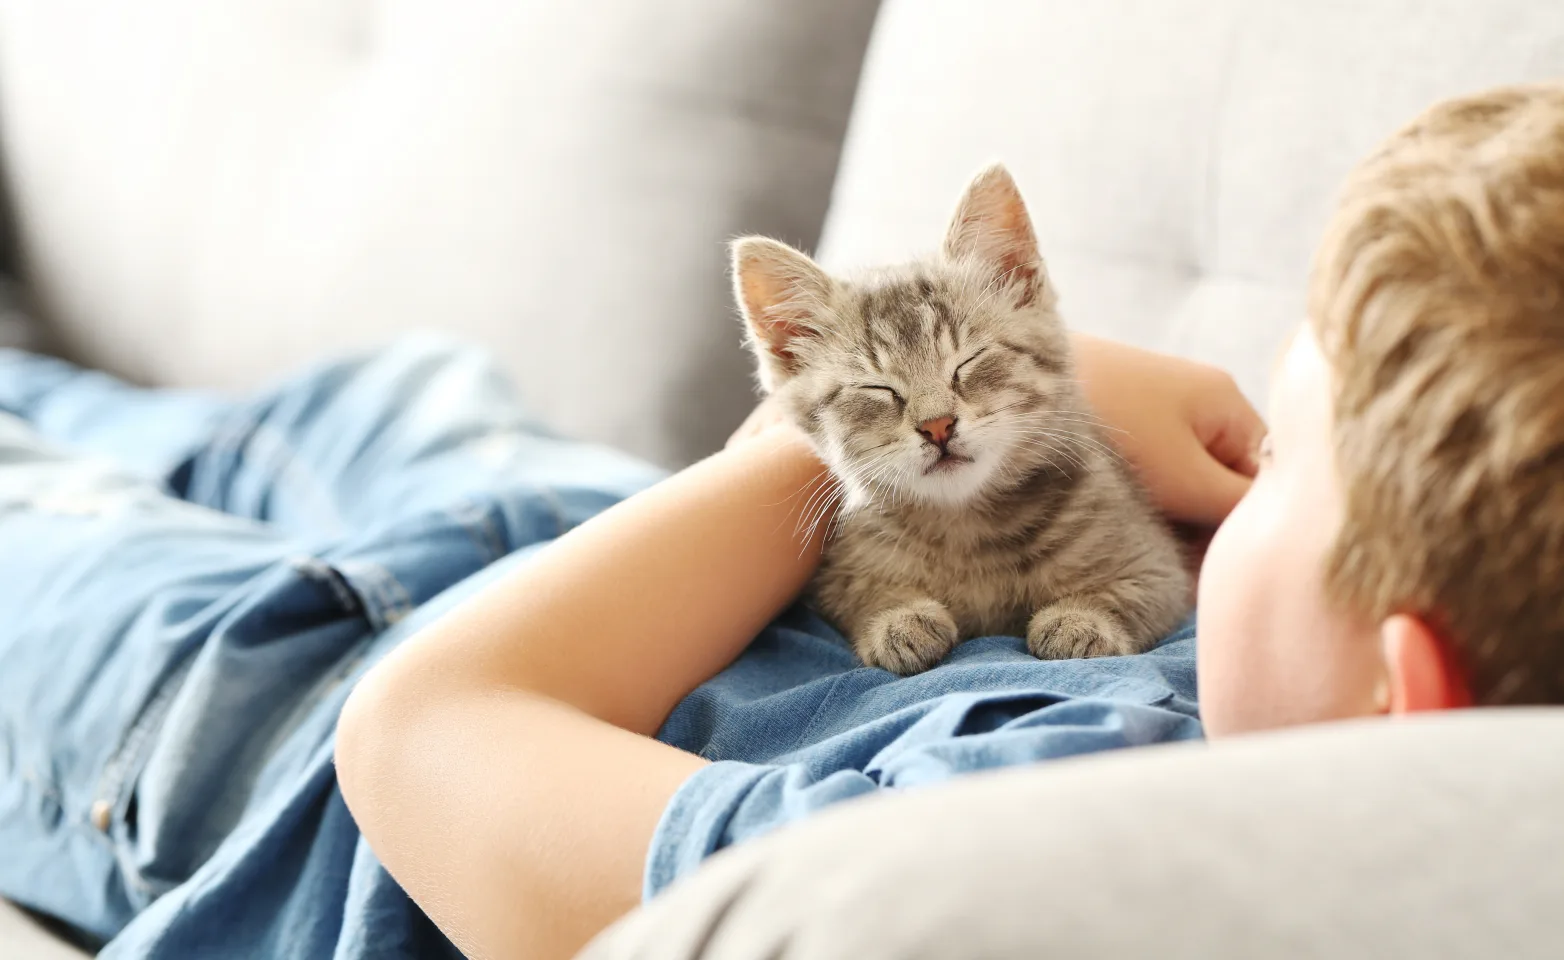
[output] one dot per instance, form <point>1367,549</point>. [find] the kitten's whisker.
<point>1062,451</point>
<point>814,527</point>
<point>820,496</point>
<point>820,492</point>
<point>1045,422</point>
<point>1053,416</point>
<point>879,446</point>
<point>864,476</point>
<point>1105,448</point>
<point>796,493</point>
<point>1093,421</point>
<point>873,469</point>
<point>888,481</point>
<point>881,479</point>
<point>815,524</point>
<point>814,485</point>
<point>1009,406</point>
<point>1018,471</point>
<point>808,531</point>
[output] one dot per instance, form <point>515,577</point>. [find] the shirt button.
<point>102,813</point>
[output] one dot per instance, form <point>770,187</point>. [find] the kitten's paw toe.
<point>1070,633</point>
<point>909,639</point>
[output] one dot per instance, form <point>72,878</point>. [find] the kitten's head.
<point>938,381</point>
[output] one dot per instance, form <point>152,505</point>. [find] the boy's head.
<point>1403,545</point>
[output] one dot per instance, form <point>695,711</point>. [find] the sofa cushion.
<point>210,192</point>
<point>1180,158</point>
<point>1437,837</point>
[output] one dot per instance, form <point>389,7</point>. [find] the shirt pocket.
<point>195,762</point>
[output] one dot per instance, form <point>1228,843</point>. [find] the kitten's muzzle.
<point>938,431</point>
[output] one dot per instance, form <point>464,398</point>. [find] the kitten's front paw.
<point>908,639</point>
<point>1063,632</point>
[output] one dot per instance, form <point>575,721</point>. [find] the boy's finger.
<point>1210,493</point>
<point>1236,440</point>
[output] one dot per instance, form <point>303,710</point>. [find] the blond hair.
<point>1438,296</point>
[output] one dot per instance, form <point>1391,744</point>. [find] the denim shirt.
<point>797,724</point>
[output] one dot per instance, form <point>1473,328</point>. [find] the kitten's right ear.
<point>992,225</point>
<point>783,295</point>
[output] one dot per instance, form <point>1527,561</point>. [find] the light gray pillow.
<point>1425,838</point>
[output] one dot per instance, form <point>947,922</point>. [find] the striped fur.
<point>1027,523</point>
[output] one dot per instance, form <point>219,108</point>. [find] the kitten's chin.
<point>949,463</point>
<point>953,481</point>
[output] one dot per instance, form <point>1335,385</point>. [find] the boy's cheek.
<point>1271,651</point>
<point>1257,604</point>
<point>1231,590</point>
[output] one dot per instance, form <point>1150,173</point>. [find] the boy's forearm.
<point>626,614</point>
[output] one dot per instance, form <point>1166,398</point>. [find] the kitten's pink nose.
<point>938,430</point>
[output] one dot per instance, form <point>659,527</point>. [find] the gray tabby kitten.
<point>977,495</point>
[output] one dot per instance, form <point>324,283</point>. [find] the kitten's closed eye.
<point>955,377</point>
<point>891,391</point>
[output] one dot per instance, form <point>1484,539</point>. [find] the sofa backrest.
<point>208,193</point>
<point>1180,158</point>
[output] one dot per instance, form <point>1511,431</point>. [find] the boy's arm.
<point>499,763</point>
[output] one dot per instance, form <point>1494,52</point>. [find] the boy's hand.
<point>768,414</point>
<point>1184,426</point>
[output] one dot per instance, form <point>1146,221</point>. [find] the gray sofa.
<point>207,193</point>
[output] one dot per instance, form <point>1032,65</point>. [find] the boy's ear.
<point>784,297</point>
<point>1421,669</point>
<point>991,224</point>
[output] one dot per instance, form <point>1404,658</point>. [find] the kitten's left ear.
<point>991,224</point>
